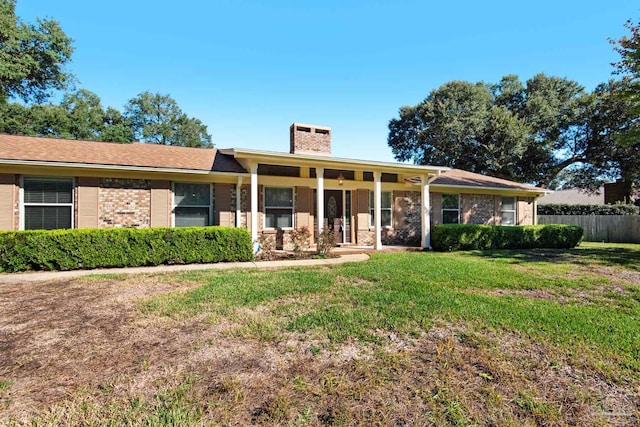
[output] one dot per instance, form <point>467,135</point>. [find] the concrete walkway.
<point>10,278</point>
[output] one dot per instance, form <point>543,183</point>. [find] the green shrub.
<point>453,237</point>
<point>124,247</point>
<point>563,209</point>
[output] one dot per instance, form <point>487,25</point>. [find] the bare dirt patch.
<point>607,292</point>
<point>56,336</point>
<point>618,275</point>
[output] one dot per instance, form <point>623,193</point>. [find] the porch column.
<point>254,201</point>
<point>425,211</point>
<point>238,201</point>
<point>377,212</point>
<point>535,211</point>
<point>320,198</point>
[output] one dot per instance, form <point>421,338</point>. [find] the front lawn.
<point>538,337</point>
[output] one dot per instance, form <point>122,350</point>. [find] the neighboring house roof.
<point>73,152</point>
<point>573,196</point>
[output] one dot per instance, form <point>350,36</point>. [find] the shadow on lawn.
<point>610,256</point>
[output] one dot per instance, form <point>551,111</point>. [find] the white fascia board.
<point>540,191</point>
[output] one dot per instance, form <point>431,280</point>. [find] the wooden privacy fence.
<point>601,228</point>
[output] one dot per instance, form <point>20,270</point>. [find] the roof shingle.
<point>28,148</point>
<point>459,177</point>
<point>67,151</point>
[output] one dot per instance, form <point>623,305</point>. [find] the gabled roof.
<point>28,149</point>
<point>153,157</point>
<point>461,178</point>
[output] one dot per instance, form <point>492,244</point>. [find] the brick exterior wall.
<point>124,203</point>
<point>281,238</point>
<point>128,203</point>
<point>478,209</point>
<point>309,139</point>
<point>366,237</point>
<point>407,221</point>
<point>244,205</point>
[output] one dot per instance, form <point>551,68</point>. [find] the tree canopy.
<point>609,120</point>
<point>80,115</point>
<point>32,57</point>
<point>628,67</point>
<point>509,129</point>
<point>629,49</point>
<point>547,131</point>
<point>150,118</point>
<point>157,119</point>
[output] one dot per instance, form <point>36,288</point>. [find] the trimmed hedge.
<point>564,209</point>
<point>123,247</point>
<point>454,237</point>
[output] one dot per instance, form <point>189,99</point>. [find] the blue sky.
<point>248,69</point>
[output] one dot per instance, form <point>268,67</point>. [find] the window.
<point>508,211</point>
<point>278,207</point>
<point>191,205</point>
<point>48,203</point>
<point>385,208</point>
<point>450,209</point>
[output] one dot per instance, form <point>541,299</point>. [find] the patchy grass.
<point>405,292</point>
<point>5,384</point>
<point>540,337</point>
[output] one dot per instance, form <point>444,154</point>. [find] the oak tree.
<point>157,118</point>
<point>524,132</point>
<point>32,57</point>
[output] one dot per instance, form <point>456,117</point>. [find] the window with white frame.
<point>508,211</point>
<point>47,203</point>
<point>278,207</point>
<point>450,208</point>
<point>191,204</point>
<point>385,208</point>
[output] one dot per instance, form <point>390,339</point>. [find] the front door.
<point>333,213</point>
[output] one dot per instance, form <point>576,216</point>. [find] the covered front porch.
<point>353,199</point>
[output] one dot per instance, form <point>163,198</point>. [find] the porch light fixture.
<point>340,179</point>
